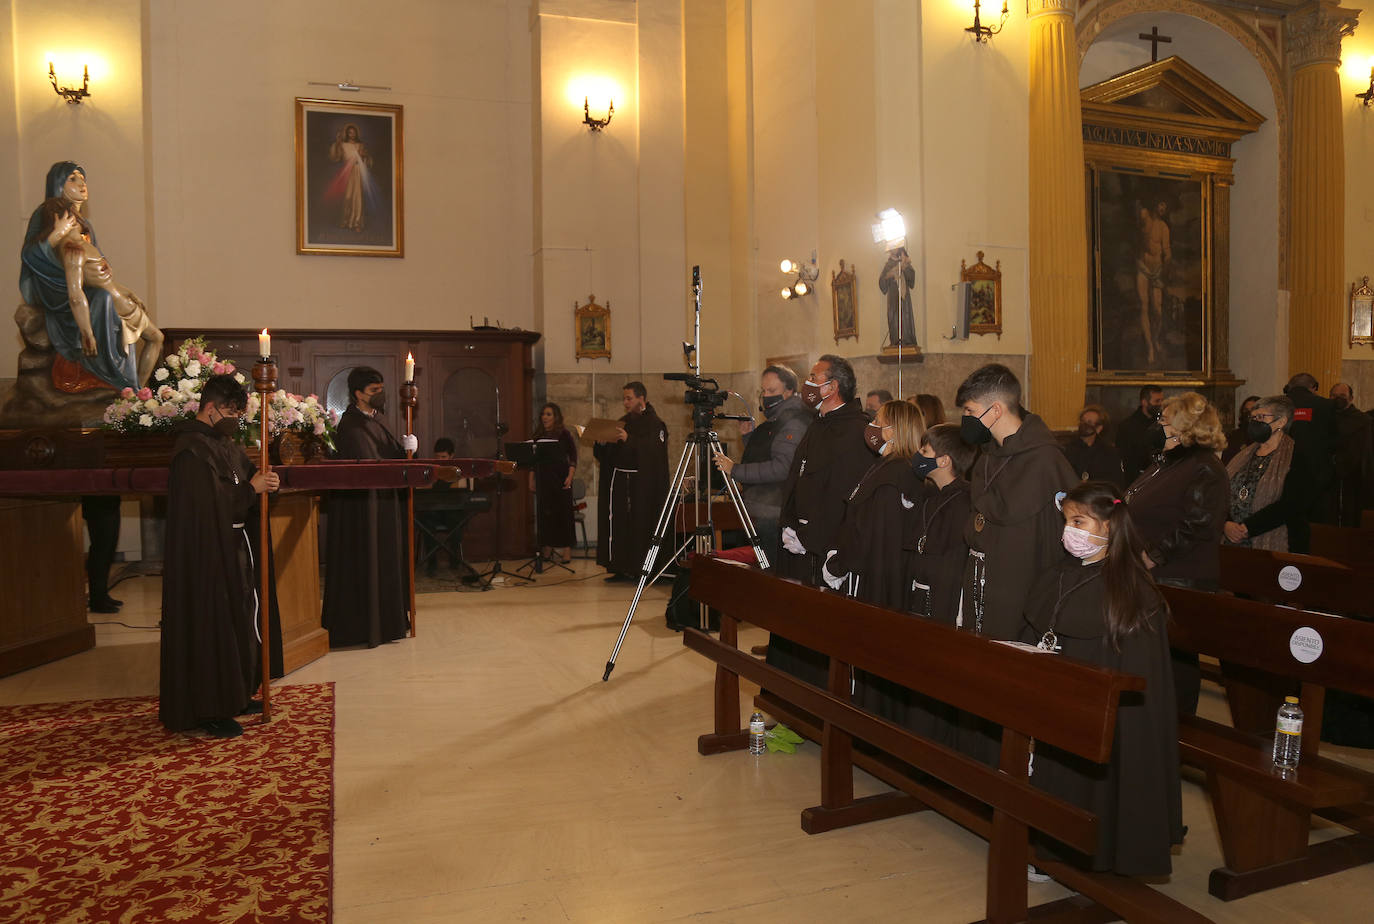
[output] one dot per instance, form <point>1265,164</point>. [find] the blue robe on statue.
<point>43,284</point>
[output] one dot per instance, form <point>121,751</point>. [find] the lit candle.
<point>410,368</point>
<point>264,344</point>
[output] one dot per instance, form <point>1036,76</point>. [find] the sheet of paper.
<point>601,430</point>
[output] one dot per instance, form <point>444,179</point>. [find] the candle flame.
<point>409,358</point>
<point>264,332</point>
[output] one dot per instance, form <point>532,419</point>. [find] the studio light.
<point>806,274</point>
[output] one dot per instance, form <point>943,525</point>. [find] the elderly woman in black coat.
<point>1179,505</point>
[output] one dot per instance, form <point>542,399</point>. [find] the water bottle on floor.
<point>1288,734</point>
<point>756,745</point>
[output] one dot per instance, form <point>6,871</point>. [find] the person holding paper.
<point>632,484</point>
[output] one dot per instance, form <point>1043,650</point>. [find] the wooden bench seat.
<point>1264,815</point>
<point>1056,700</point>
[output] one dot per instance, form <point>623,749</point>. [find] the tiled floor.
<point>485,773</point>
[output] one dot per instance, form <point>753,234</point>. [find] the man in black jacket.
<point>1089,451</point>
<point>1314,432</point>
<point>1354,457</point>
<point>768,452</point>
<point>632,485</point>
<point>1138,436</point>
<point>829,463</point>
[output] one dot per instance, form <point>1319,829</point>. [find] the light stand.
<point>699,449</point>
<point>265,384</point>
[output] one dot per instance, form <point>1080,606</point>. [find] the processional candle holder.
<point>410,397</point>
<point>265,384</point>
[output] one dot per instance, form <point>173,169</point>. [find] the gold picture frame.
<point>349,178</point>
<point>844,293</point>
<point>1361,312</point>
<point>592,329</point>
<point>984,303</point>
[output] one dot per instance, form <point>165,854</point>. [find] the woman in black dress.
<point>552,487</point>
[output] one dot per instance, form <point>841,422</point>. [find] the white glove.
<point>829,578</point>
<point>791,543</point>
<point>409,443</point>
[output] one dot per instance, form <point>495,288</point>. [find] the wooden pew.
<point>1346,544</point>
<point>1263,814</point>
<point>1308,582</point>
<point>1057,701</point>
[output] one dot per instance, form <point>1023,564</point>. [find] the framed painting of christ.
<point>349,159</point>
<point>1151,272</point>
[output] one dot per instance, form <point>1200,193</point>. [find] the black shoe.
<point>104,606</point>
<point>109,599</point>
<point>222,728</point>
<point>254,707</point>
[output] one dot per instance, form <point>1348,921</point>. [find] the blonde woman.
<point>1179,506</point>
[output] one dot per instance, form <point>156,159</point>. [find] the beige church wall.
<point>1357,57</point>
<point>1258,326</point>
<point>105,133</point>
<point>975,128</point>
<point>223,77</point>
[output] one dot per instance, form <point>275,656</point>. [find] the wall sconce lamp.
<point>72,94</point>
<point>596,125</point>
<point>1367,97</point>
<point>806,277</point>
<point>982,33</point>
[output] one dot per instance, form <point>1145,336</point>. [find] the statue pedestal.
<point>35,400</point>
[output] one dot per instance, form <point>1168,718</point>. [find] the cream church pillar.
<point>1317,203</point>
<point>1058,228</point>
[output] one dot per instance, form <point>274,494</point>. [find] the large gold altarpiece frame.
<point>1157,148</point>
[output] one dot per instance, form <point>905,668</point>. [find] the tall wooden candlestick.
<point>409,397</point>
<point>265,383</point>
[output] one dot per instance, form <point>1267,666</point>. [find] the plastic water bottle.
<point>1288,734</point>
<point>756,745</point>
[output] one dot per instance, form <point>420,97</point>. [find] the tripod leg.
<point>738,500</point>
<point>665,518</point>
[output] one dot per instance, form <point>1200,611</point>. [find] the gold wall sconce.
<point>806,274</point>
<point>72,95</point>
<point>980,32</point>
<point>596,125</point>
<point>1367,97</point>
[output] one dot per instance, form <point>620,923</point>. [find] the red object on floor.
<point>107,816</point>
<point>743,554</point>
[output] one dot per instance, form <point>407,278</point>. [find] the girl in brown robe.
<point>1100,606</point>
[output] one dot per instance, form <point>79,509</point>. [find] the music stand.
<point>529,456</point>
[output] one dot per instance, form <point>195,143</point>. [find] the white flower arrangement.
<point>149,410</point>
<point>286,411</point>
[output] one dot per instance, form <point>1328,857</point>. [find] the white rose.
<point>174,360</point>
<point>193,367</point>
<point>161,374</point>
<point>146,420</point>
<point>238,377</point>
<point>151,404</point>
<point>187,385</point>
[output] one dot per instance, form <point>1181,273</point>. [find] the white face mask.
<point>1082,544</point>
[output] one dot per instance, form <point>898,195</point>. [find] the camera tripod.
<point>704,395</point>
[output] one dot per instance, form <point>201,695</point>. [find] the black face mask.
<point>378,401</point>
<point>768,402</point>
<point>1342,402</point>
<point>1258,431</point>
<point>923,465</point>
<point>1086,431</point>
<point>973,431</point>
<point>227,426</point>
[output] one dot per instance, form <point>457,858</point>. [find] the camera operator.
<point>768,450</point>
<point>632,484</point>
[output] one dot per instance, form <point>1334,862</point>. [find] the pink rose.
<point>127,393</point>
<point>145,393</point>
<point>192,407</point>
<point>217,369</point>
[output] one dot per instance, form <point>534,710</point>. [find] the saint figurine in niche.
<point>91,322</point>
<point>353,187</point>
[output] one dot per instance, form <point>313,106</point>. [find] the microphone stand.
<point>487,577</point>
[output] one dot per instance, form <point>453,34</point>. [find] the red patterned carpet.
<point>105,816</point>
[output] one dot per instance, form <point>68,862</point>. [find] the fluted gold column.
<point>1058,226</point>
<point>1317,204</point>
